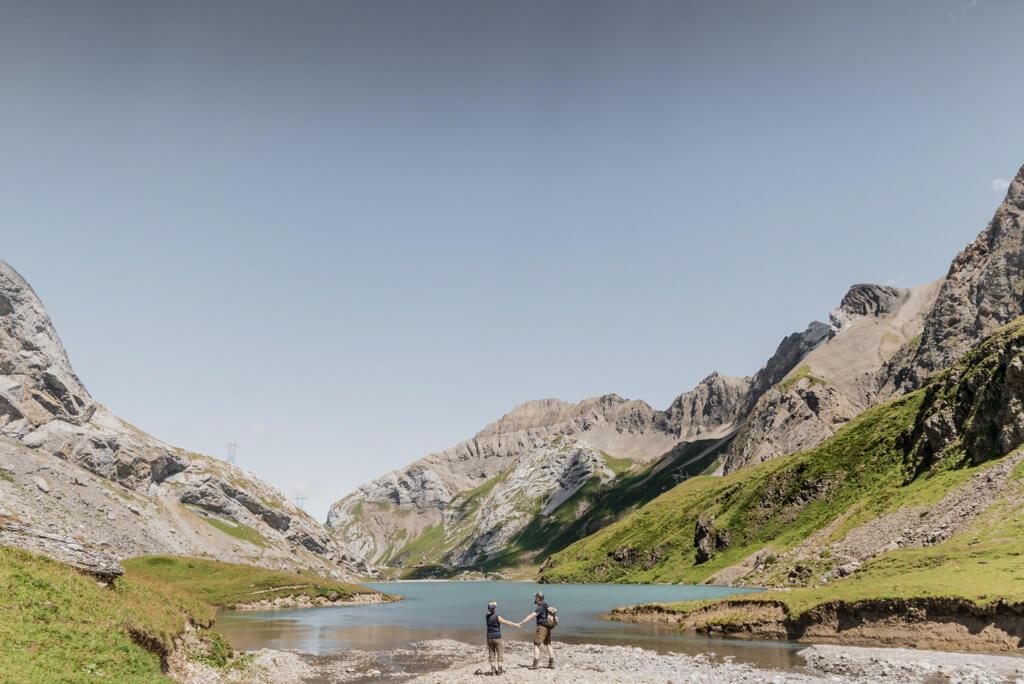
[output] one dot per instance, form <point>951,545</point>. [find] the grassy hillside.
<point>57,624</point>
<point>226,584</point>
<point>605,503</point>
<point>778,503</point>
<point>966,593</point>
<point>786,513</point>
<point>984,565</point>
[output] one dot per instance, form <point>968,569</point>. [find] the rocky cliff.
<point>71,469</point>
<point>983,290</point>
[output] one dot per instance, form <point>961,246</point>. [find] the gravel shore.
<point>446,661</point>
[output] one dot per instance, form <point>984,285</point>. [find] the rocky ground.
<point>441,662</point>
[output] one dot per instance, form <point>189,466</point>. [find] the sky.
<point>347,234</point>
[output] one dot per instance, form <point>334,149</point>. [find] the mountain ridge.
<point>880,342</point>
<point>411,502</point>
<point>70,469</point>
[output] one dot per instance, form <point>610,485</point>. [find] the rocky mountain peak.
<point>712,408</point>
<point>865,299</point>
<point>790,351</point>
<point>983,290</point>
<point>1015,193</point>
<point>530,414</point>
<point>37,383</point>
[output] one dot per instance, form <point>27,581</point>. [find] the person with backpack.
<point>495,648</point>
<point>547,619</point>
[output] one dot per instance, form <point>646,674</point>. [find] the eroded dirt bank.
<point>922,623</point>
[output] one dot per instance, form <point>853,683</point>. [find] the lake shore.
<point>918,623</point>
<point>306,601</point>
<point>444,661</point>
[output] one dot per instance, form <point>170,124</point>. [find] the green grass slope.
<point>227,584</point>
<point>58,625</point>
<point>908,452</point>
<point>605,503</point>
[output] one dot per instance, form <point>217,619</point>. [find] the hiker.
<point>546,619</point>
<point>495,649</point>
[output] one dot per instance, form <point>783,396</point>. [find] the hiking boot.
<point>551,663</point>
<point>534,666</point>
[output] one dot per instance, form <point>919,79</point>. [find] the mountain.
<point>475,505</point>
<point>940,467</point>
<point>900,472</point>
<point>550,472</point>
<point>983,290</point>
<point>837,380</point>
<point>412,515</point>
<point>73,474</point>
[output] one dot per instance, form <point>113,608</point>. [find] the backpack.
<point>552,621</point>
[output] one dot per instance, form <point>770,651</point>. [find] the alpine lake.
<point>456,609</point>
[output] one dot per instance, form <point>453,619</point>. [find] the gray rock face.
<point>983,290</point>
<point>48,419</point>
<point>713,408</point>
<point>60,548</point>
<point>547,476</point>
<point>708,539</point>
<point>789,353</point>
<point>786,422</point>
<point>867,300</point>
<point>37,383</point>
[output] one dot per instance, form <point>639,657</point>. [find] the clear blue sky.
<point>344,234</point>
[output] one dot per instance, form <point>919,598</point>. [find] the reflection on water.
<point>455,610</point>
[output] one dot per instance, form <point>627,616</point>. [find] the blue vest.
<point>493,626</point>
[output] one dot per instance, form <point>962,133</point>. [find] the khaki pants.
<point>495,652</point>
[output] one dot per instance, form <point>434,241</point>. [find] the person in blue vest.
<point>542,635</point>
<point>495,649</point>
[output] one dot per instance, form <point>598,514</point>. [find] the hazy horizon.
<point>348,234</point>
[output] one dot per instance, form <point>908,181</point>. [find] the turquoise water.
<point>455,610</point>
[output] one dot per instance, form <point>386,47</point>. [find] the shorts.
<point>542,635</point>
